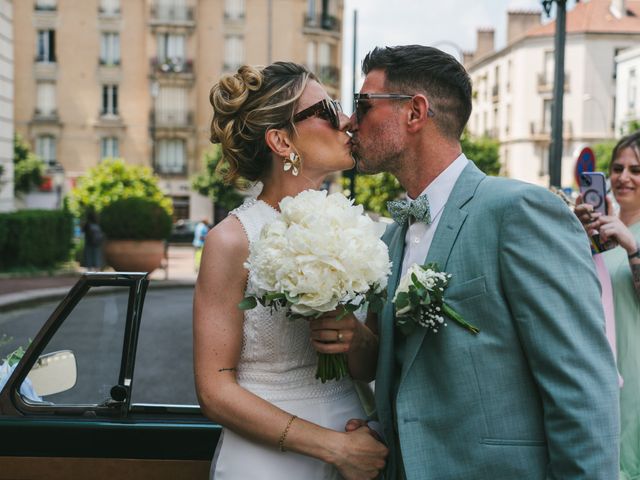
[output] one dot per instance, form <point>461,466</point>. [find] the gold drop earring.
<point>292,163</point>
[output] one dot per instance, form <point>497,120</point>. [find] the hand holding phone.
<point>593,188</point>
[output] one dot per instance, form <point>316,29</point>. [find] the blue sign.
<point>586,163</point>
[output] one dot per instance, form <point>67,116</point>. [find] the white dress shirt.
<point>420,235</point>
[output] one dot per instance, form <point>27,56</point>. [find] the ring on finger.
<point>340,336</point>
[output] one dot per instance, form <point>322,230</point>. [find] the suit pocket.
<point>504,442</point>
<point>466,290</point>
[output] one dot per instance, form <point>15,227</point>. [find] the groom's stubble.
<point>380,149</point>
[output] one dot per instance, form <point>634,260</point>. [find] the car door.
<point>91,428</point>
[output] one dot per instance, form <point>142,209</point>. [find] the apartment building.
<point>513,87</point>
<point>627,112</point>
<point>115,78</point>
<point>6,106</point>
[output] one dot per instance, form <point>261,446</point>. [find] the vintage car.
<point>74,407</point>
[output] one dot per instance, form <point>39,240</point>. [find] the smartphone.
<point>593,187</point>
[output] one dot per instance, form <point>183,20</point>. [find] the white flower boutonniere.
<point>419,300</point>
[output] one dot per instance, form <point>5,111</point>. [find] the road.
<point>94,332</point>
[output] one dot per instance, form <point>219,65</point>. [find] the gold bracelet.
<point>285,432</point>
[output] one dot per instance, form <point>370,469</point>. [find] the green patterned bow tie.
<point>400,210</point>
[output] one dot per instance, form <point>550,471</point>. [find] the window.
<point>110,7</point>
<point>110,49</point>
<point>172,9</point>
<point>233,52</point>
<point>311,55</point>
<point>234,9</point>
<point>171,106</point>
<point>311,9</point>
<point>549,62</point>
<point>171,156</point>
<point>46,99</point>
<point>632,91</point>
<point>109,148</point>
<point>46,4</point>
<point>46,46</point>
<point>109,100</point>
<point>46,149</point>
<point>171,48</point>
<point>546,115</point>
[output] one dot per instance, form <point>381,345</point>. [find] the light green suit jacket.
<point>534,395</point>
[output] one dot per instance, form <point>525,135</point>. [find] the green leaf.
<point>375,304</point>
<point>248,303</point>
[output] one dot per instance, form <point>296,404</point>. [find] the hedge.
<point>35,238</point>
<point>135,219</point>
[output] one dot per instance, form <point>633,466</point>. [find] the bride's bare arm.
<point>217,330</point>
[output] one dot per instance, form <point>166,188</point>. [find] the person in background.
<point>623,265</point>
<point>199,234</point>
<point>93,238</point>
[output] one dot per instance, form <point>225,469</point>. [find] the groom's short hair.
<point>420,69</point>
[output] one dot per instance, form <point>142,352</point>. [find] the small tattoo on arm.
<point>635,275</point>
<point>232,369</point>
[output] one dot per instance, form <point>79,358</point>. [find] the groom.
<point>534,395</point>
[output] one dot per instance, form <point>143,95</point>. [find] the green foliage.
<point>374,191</point>
<point>602,152</point>
<point>35,238</point>
<point>113,180</point>
<point>135,218</point>
<point>28,169</point>
<point>483,151</point>
<point>211,184</point>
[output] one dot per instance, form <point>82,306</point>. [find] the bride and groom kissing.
<point>533,395</point>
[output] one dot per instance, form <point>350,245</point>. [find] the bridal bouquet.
<point>321,253</point>
<point>419,300</point>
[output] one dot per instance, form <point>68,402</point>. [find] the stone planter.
<point>134,255</point>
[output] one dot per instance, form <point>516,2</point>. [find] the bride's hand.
<point>360,455</point>
<point>330,335</point>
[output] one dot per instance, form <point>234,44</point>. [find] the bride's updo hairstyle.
<point>247,104</point>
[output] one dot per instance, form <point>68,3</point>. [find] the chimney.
<point>519,22</point>
<point>484,43</point>
<point>467,58</point>
<point>618,8</point>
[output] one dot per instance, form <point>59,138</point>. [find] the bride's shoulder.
<point>227,237</point>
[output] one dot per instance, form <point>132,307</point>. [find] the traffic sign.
<point>586,162</point>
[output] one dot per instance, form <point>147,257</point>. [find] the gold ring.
<point>339,336</point>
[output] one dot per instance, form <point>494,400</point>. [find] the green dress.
<point>627,308</point>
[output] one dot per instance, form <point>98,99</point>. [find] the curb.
<point>12,301</point>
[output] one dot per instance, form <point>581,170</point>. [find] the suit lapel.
<point>453,217</point>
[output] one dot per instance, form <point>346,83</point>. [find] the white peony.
<point>322,251</point>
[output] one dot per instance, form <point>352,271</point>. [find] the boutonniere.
<point>419,300</point>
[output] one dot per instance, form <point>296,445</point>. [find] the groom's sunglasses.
<point>361,103</point>
<point>329,110</point>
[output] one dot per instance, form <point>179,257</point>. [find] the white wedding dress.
<point>278,363</point>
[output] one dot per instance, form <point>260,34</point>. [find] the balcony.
<point>172,66</point>
<point>322,24</point>
<point>46,7</point>
<point>545,82</point>
<point>104,13</point>
<point>178,118</point>
<point>48,116</point>
<point>542,130</point>
<point>172,15</point>
<point>328,74</point>
<point>45,70</point>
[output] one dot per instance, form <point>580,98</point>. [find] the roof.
<point>594,16</point>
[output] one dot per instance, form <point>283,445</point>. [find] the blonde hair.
<point>247,104</point>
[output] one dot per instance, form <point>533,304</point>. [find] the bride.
<point>255,371</point>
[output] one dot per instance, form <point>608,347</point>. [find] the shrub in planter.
<point>136,229</point>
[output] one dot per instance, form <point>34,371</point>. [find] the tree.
<point>28,168</point>
<point>483,151</point>
<point>211,182</point>
<point>113,180</point>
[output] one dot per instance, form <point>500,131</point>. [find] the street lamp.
<point>155,90</point>
<point>555,148</point>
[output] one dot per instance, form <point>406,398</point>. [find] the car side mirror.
<point>53,373</point>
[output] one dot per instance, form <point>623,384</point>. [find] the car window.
<point>94,334</point>
<point>163,371</point>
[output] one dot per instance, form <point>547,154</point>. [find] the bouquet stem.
<point>455,316</point>
<point>331,366</point>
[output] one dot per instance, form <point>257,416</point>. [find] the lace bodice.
<point>277,361</point>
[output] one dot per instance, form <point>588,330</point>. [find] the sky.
<point>427,22</point>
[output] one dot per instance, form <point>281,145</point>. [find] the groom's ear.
<point>279,141</point>
<point>418,112</point>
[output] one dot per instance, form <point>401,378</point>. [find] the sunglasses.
<point>329,110</point>
<point>361,105</point>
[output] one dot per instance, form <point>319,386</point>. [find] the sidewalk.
<point>19,291</point>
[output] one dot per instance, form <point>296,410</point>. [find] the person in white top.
<point>255,371</point>
<point>534,394</point>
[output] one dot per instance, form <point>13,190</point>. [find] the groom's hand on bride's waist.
<point>362,455</point>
